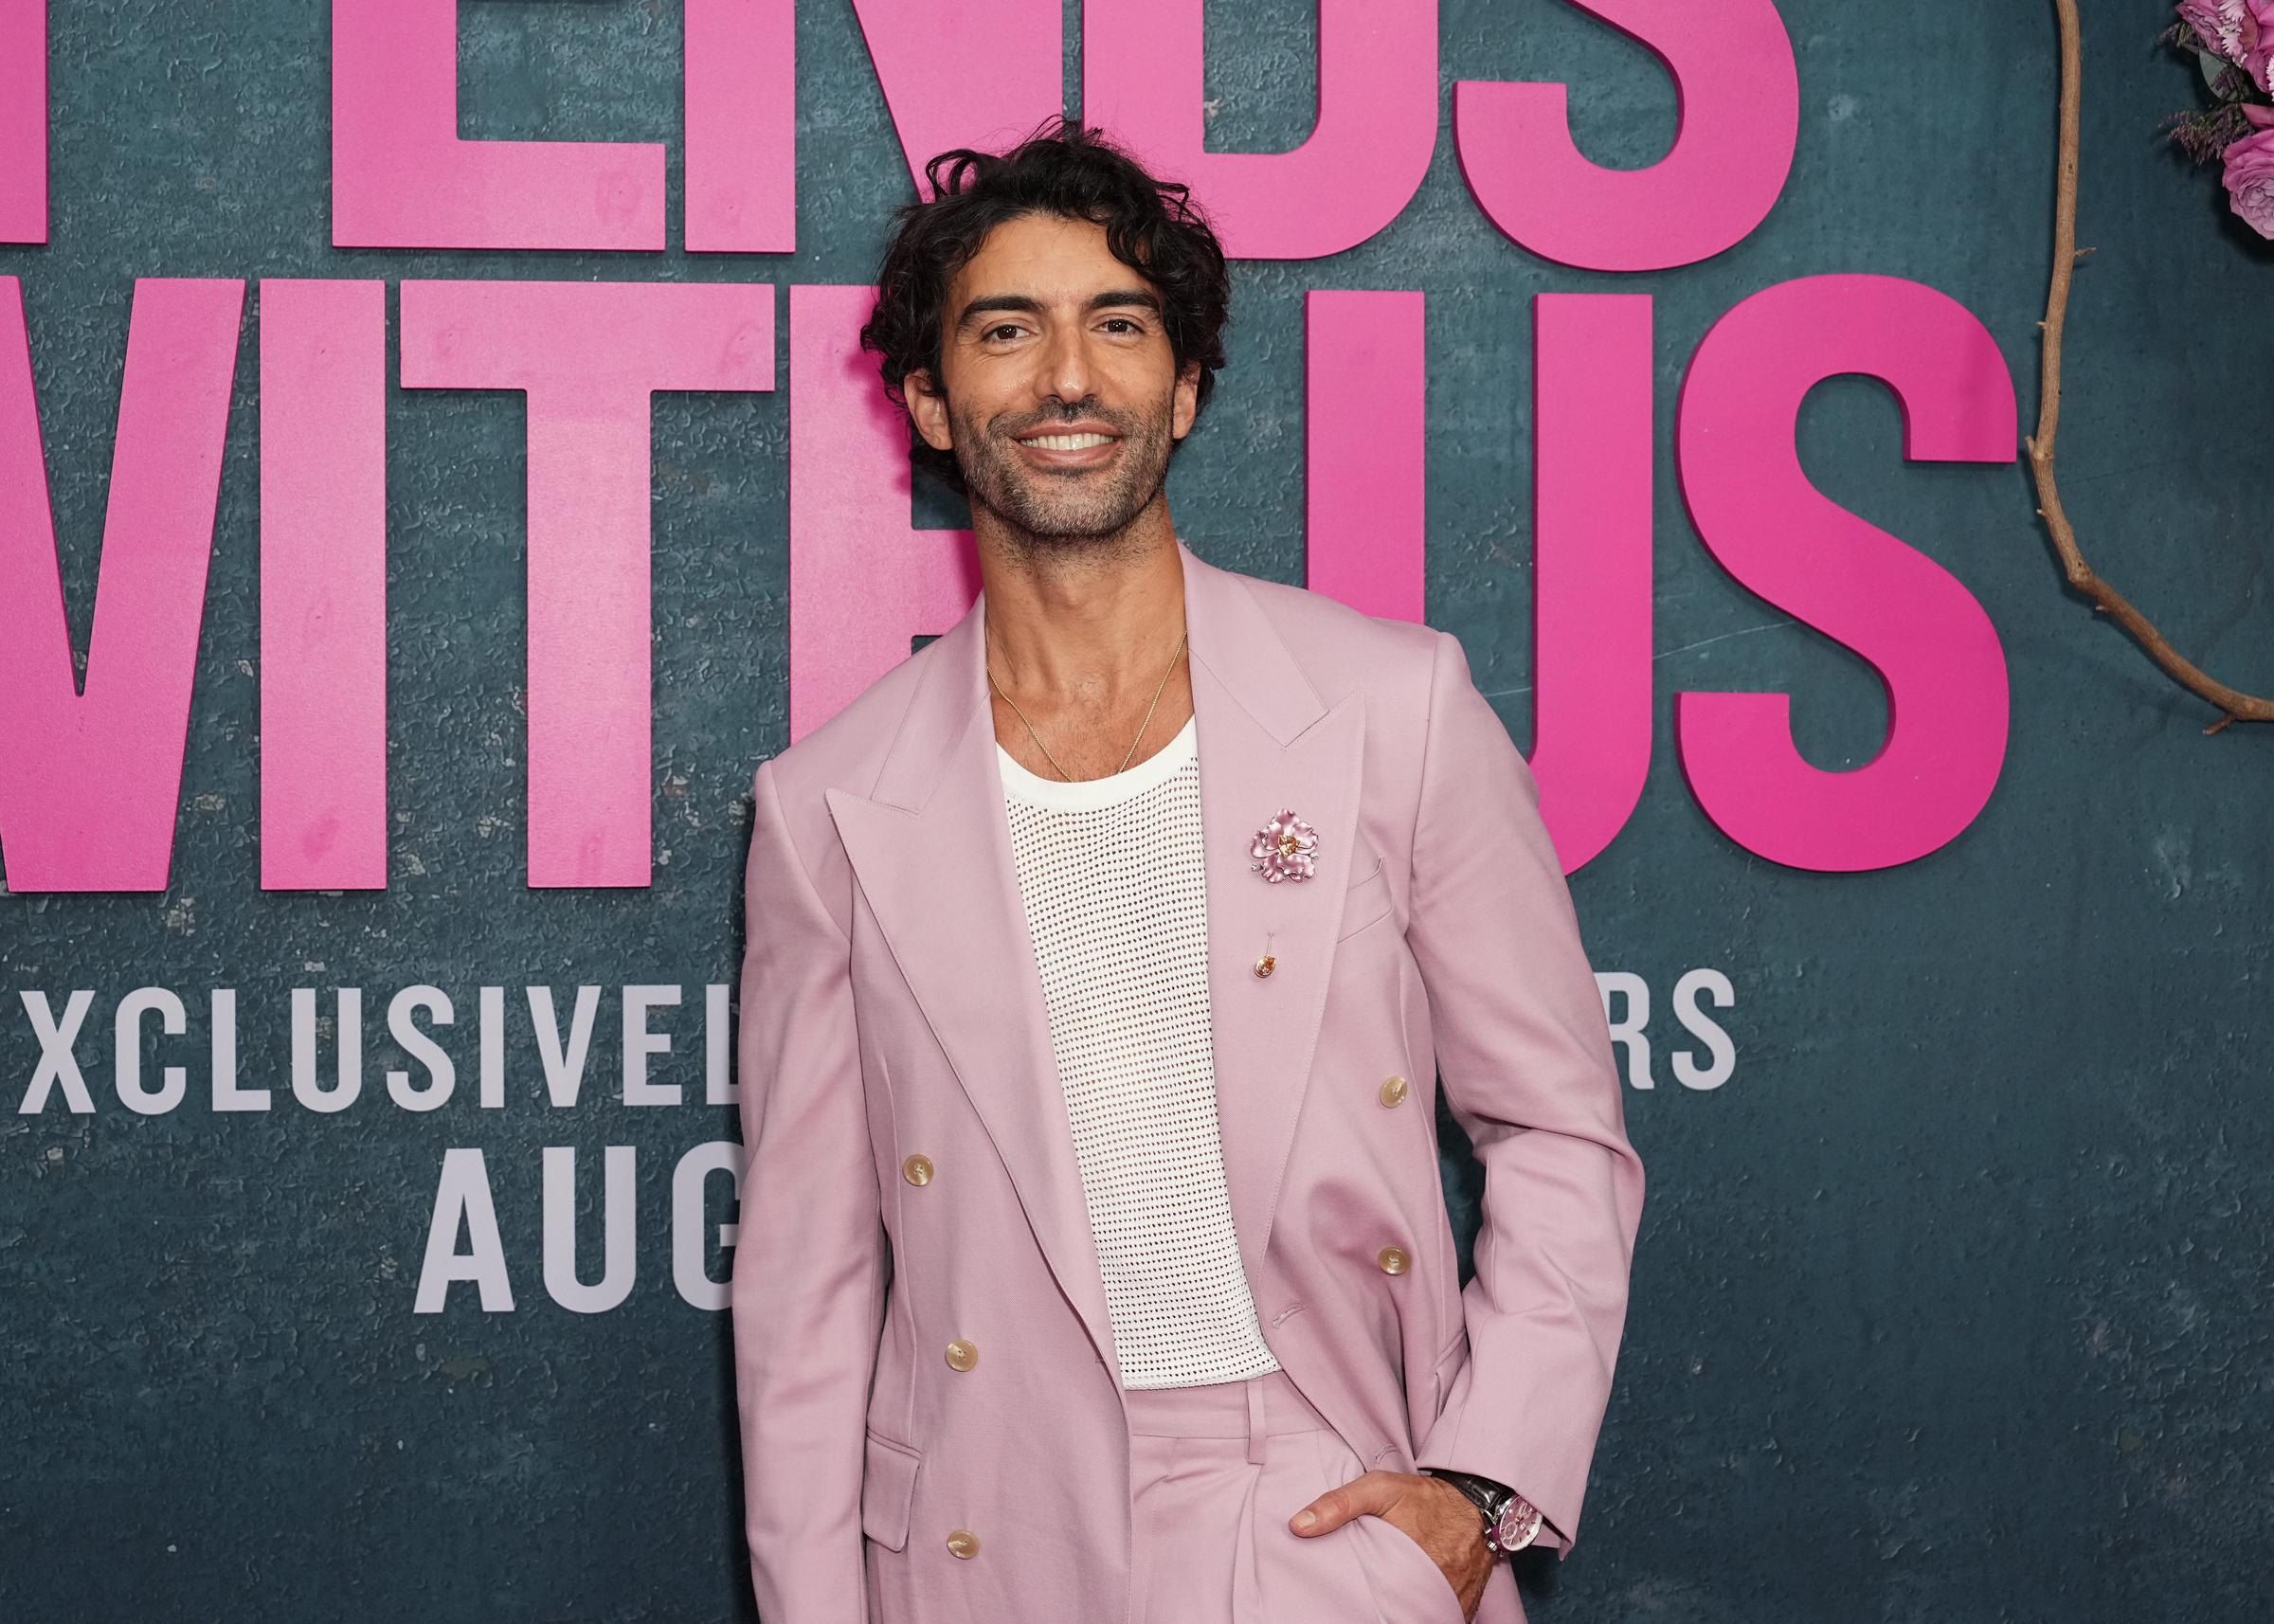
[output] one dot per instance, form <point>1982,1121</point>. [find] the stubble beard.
<point>1088,508</point>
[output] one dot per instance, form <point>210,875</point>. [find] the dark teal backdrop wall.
<point>1951,1303</point>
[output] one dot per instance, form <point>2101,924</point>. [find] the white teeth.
<point>1067,441</point>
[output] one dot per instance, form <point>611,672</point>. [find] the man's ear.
<point>928,410</point>
<point>1186,406</point>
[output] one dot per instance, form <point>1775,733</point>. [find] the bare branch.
<point>2236,705</point>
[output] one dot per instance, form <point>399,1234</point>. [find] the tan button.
<point>961,1355</point>
<point>1265,964</point>
<point>963,1542</point>
<point>1392,1089</point>
<point>1393,1259</point>
<point>917,1169</point>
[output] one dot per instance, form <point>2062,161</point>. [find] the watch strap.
<point>1487,1494</point>
<point>1492,1498</point>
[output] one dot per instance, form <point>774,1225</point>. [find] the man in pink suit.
<point>1104,960</point>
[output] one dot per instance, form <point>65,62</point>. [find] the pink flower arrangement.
<point>2232,42</point>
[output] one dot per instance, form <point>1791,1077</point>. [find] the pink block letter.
<point>1738,96</point>
<point>1365,499</point>
<point>863,581</point>
<point>23,120</point>
<point>1930,640</point>
<point>1377,121</point>
<point>89,782</point>
<point>1591,606</point>
<point>323,586</point>
<point>930,54</point>
<point>588,354</point>
<point>402,178</point>
<point>742,120</point>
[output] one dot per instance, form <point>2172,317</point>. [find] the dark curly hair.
<point>1152,226</point>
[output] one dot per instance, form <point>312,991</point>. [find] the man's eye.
<point>1001,330</point>
<point>1124,324</point>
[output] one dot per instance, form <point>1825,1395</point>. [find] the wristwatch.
<point>1512,1521</point>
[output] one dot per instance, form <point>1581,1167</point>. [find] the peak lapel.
<point>1266,743</point>
<point>932,851</point>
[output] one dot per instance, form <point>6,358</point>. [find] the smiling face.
<point>1059,390</point>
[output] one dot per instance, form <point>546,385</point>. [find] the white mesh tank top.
<point>1110,872</point>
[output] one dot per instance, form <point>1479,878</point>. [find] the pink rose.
<point>2261,117</point>
<point>2257,40</point>
<point>2218,24</point>
<point>2250,180</point>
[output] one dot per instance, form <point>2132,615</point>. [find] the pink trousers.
<point>1216,1471</point>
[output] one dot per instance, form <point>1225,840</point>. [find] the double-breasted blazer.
<point>910,1179</point>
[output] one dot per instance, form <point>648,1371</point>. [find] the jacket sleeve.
<point>1523,1054</point>
<point>809,1256</point>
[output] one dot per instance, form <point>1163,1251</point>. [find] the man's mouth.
<point>1066,441</point>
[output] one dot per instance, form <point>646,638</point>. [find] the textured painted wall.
<point>1951,1304</point>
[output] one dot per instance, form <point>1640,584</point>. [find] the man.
<point>1103,957</point>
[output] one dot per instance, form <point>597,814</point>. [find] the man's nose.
<point>1066,373</point>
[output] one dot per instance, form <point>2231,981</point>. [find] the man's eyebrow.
<point>1025,304</point>
<point>993,303</point>
<point>1138,297</point>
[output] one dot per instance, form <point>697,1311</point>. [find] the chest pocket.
<point>1368,896</point>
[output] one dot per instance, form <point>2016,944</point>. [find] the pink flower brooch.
<point>1283,848</point>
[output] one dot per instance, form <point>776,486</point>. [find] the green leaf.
<point>2214,69</point>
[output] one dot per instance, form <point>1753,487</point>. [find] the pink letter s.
<point>1739,98</point>
<point>1930,640</point>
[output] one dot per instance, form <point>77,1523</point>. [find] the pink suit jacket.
<point>891,1010</point>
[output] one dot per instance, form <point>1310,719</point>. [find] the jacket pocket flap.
<point>888,1485</point>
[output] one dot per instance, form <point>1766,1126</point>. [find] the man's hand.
<point>1431,1512</point>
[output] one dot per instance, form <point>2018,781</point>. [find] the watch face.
<point>1517,1526</point>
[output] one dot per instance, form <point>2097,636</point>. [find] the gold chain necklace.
<point>1141,726</point>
